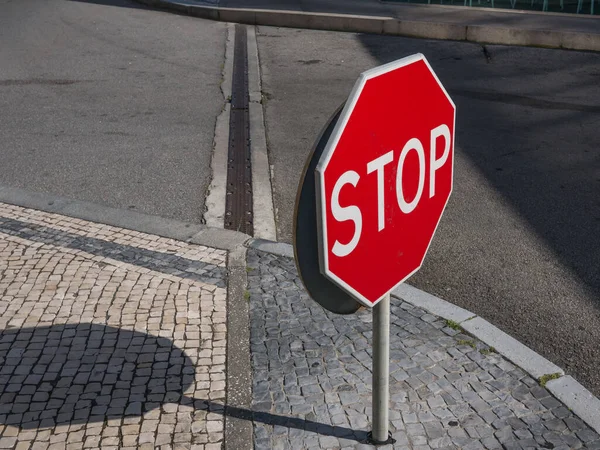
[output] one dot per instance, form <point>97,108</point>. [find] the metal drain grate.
<point>238,204</point>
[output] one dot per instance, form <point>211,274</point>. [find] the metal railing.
<point>561,6</point>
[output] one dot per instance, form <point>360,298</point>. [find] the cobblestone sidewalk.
<point>312,379</point>
<point>109,338</point>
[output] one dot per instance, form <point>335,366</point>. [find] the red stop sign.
<point>384,178</point>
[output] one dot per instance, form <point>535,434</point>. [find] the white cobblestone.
<point>101,331</point>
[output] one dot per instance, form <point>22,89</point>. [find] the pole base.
<point>389,440</point>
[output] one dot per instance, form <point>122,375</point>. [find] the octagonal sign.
<point>384,178</point>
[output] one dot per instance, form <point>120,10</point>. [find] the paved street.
<point>312,379</point>
<point>110,338</point>
<point>108,102</point>
<point>518,241</point>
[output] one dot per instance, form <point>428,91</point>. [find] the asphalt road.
<point>519,243</point>
<point>107,102</point>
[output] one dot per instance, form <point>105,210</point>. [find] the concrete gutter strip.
<point>262,190</point>
<point>474,26</point>
<point>238,416</point>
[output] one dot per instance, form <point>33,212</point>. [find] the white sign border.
<point>328,152</point>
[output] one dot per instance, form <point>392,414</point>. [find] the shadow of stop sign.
<point>384,178</point>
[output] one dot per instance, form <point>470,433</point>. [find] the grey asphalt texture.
<point>108,102</point>
<point>518,243</point>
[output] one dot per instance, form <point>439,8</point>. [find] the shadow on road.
<point>531,130</point>
<point>81,373</point>
<point>119,3</point>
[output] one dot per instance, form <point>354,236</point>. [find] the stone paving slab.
<point>109,338</point>
<point>312,379</point>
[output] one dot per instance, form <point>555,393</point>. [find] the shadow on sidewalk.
<point>81,373</point>
<point>527,120</point>
<point>166,263</point>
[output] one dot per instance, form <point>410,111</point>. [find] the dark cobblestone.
<point>442,395</point>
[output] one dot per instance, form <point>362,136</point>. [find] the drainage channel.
<point>238,203</point>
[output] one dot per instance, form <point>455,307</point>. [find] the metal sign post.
<point>381,371</point>
<point>354,240</point>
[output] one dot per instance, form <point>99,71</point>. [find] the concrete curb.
<point>506,345</point>
<point>528,360</point>
<point>262,191</point>
<point>431,303</point>
<point>550,36</point>
<point>275,248</point>
<point>581,401</point>
<point>145,223</point>
<point>578,398</point>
